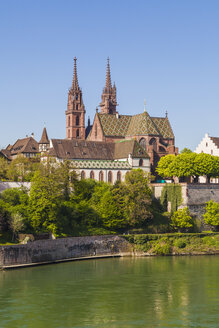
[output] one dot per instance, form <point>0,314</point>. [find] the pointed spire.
<point>44,139</point>
<point>75,85</point>
<point>108,85</point>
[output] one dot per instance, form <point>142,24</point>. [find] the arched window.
<point>153,143</point>
<point>143,143</point>
<point>110,176</point>
<point>91,174</point>
<point>69,121</point>
<point>101,176</point>
<point>118,176</point>
<point>82,175</point>
<point>77,133</point>
<point>140,162</point>
<point>76,106</point>
<point>95,130</point>
<point>77,120</point>
<point>68,133</point>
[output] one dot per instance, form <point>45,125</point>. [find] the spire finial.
<point>75,77</point>
<point>144,105</point>
<point>166,113</point>
<point>108,85</point>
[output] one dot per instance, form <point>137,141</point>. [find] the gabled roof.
<point>95,150</point>
<point>215,141</point>
<point>125,147</point>
<point>6,153</point>
<point>140,124</point>
<point>114,125</point>
<point>163,126</point>
<point>81,149</point>
<point>25,145</point>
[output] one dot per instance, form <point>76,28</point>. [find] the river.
<point>114,293</point>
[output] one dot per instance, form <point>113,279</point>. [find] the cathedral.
<point>153,134</point>
<point>110,147</point>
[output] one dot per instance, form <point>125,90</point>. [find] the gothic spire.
<point>108,85</point>
<point>75,85</point>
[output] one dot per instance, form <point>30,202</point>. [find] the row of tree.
<point>60,203</point>
<point>21,168</point>
<point>189,164</point>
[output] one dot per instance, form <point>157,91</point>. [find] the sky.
<point>164,51</point>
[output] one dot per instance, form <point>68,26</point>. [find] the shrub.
<point>181,219</point>
<point>180,243</point>
<point>162,249</point>
<point>211,215</point>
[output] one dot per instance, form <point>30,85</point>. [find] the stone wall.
<point>8,185</point>
<point>194,195</point>
<point>64,248</point>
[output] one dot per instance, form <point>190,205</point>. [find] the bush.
<point>181,219</point>
<point>211,215</point>
<point>162,249</point>
<point>180,243</point>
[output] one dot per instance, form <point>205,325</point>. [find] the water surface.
<point>113,293</point>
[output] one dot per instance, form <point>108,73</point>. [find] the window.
<point>143,143</point>
<point>68,133</point>
<point>101,176</point>
<point>211,152</point>
<point>77,133</point>
<point>118,176</point>
<point>77,120</point>
<point>140,162</point>
<point>206,144</point>
<point>69,121</point>
<point>153,143</point>
<point>82,175</point>
<point>76,106</point>
<point>110,177</point>
<point>91,174</point>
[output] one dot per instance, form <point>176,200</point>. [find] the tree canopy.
<point>188,164</point>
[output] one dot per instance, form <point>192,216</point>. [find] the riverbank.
<point>175,244</point>
<point>42,252</point>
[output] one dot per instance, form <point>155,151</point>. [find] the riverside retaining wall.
<point>44,251</point>
<point>194,195</point>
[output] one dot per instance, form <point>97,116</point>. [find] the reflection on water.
<point>127,292</point>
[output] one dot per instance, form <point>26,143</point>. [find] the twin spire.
<point>108,103</point>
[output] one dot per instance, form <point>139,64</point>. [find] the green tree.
<point>138,198</point>
<point>181,219</point>
<point>211,215</point>
<point>164,166</point>
<point>112,206</point>
<point>186,151</point>
<point>22,168</point>
<point>3,168</point>
<point>16,224</point>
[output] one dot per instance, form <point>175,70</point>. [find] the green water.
<point>114,293</point>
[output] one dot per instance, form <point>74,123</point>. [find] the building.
<point>27,147</point>
<point>113,145</point>
<point>208,145</point>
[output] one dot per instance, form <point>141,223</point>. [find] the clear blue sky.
<point>165,51</point>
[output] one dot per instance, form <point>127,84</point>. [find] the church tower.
<point>75,113</point>
<point>108,103</point>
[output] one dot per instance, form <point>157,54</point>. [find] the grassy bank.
<point>175,243</point>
